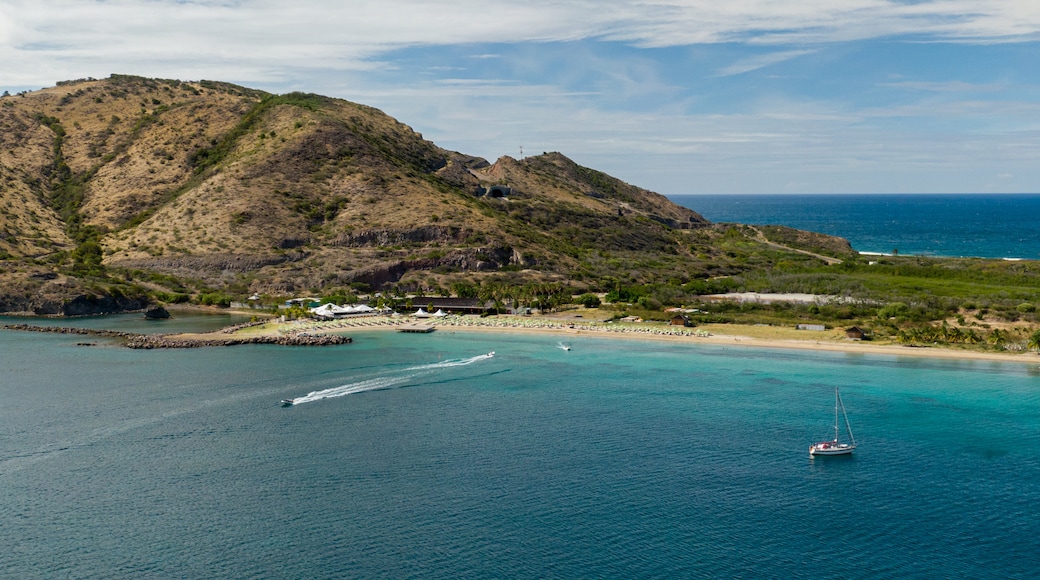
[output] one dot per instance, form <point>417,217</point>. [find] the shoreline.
<point>311,332</point>
<point>714,335</point>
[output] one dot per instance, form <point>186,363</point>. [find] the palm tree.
<point>942,334</point>
<point>493,292</point>
<point>998,338</point>
<point>1034,341</point>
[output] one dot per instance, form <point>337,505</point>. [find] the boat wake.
<point>460,362</point>
<point>377,383</point>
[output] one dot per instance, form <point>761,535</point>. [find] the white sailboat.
<point>835,447</point>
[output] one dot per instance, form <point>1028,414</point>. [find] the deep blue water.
<point>419,457</point>
<point>981,225</point>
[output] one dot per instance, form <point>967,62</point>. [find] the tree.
<point>492,292</point>
<point>893,310</point>
<point>998,338</point>
<point>1034,341</point>
<point>589,300</point>
<point>86,258</point>
<point>464,290</point>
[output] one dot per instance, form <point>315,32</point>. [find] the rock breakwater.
<point>160,341</point>
<point>150,341</point>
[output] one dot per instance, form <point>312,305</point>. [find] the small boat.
<point>835,447</point>
<point>563,346</point>
<point>287,402</point>
<point>491,354</point>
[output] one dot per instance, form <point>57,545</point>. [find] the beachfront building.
<point>681,320</point>
<point>453,305</point>
<point>304,302</point>
<point>855,333</point>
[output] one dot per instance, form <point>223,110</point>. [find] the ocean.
<point>418,456</point>
<point>949,225</point>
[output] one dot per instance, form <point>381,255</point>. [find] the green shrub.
<point>214,299</point>
<point>589,301</point>
<point>893,310</point>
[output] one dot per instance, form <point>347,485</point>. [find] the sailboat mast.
<point>836,414</point>
<point>848,426</point>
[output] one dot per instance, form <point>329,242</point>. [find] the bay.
<point>419,456</point>
<point>949,225</point>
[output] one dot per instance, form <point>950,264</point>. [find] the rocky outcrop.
<point>469,259</point>
<point>157,313</point>
<point>93,305</point>
<point>384,237</point>
<point>214,262</point>
<point>47,302</point>
<point>67,330</point>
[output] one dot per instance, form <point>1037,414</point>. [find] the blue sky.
<point>678,96</point>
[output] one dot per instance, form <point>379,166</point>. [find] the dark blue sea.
<point>417,456</point>
<point>961,225</point>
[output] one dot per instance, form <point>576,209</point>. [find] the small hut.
<point>855,333</point>
<point>681,320</point>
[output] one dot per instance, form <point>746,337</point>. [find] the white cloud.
<point>626,115</point>
<point>72,38</point>
<point>761,61</point>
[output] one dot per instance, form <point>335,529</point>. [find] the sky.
<point>677,96</point>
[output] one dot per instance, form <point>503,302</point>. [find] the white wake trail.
<point>386,382</point>
<point>458,362</point>
<point>350,389</point>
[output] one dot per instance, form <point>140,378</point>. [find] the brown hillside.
<point>202,186</point>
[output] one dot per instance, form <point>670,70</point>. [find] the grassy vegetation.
<point>209,157</point>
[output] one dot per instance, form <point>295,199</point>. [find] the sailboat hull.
<point>831,448</point>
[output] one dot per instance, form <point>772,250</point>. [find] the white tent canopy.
<point>327,310</point>
<point>332,311</point>
<point>420,313</point>
<point>440,313</point>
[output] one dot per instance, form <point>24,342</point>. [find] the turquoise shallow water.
<point>418,457</point>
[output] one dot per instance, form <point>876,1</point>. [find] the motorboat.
<point>287,402</point>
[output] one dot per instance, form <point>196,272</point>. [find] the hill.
<point>119,191</point>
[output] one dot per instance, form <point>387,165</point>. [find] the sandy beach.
<point>565,327</point>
